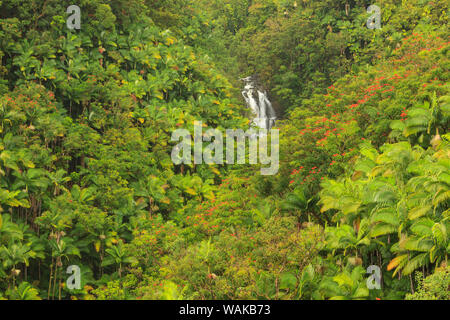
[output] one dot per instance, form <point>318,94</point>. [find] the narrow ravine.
<point>258,102</point>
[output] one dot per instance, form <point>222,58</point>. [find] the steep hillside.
<point>87,176</point>
<point>85,151</point>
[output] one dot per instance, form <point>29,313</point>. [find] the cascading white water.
<point>260,105</point>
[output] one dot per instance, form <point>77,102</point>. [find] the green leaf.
<point>288,281</point>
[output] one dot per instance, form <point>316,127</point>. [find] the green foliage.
<point>24,292</point>
<point>299,48</point>
<point>86,176</point>
<point>433,287</point>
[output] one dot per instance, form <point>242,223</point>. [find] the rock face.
<point>258,102</point>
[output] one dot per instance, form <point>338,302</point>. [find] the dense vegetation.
<point>86,176</point>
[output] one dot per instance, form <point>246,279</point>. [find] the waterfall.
<point>258,102</point>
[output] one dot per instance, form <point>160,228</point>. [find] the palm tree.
<point>35,183</point>
<point>25,291</point>
<point>14,254</point>
<point>61,248</point>
<point>119,257</point>
<point>426,119</point>
<point>151,189</point>
<point>427,244</point>
<point>58,179</point>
